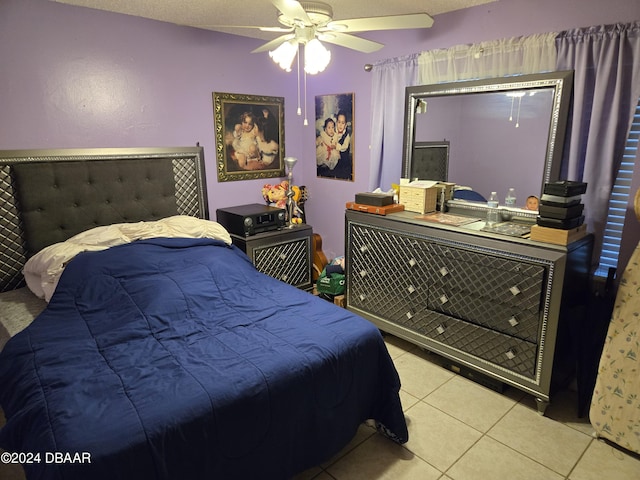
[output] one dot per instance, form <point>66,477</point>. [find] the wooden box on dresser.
<point>498,305</point>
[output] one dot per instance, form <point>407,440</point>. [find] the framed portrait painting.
<point>334,136</point>
<point>249,133</point>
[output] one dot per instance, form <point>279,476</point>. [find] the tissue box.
<point>418,198</point>
<point>375,199</point>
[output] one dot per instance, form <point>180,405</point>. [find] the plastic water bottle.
<point>510,199</point>
<point>492,211</point>
<point>493,200</point>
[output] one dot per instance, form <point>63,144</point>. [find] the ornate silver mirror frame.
<point>558,87</point>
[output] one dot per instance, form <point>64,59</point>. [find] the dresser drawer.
<point>509,352</point>
<point>505,280</point>
<point>487,312</point>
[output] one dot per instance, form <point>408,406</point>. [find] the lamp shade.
<point>290,162</point>
<point>316,57</point>
<point>284,54</point>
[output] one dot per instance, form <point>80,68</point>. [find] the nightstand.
<point>283,254</point>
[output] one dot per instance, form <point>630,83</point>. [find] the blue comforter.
<point>175,358</point>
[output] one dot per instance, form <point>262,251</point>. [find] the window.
<point>618,201</point>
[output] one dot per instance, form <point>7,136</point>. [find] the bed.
<point>165,355</point>
<point>615,404</point>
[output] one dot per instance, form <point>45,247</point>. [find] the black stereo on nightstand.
<point>251,219</point>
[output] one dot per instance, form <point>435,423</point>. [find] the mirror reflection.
<point>499,133</point>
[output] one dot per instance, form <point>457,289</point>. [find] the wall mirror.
<point>501,133</point>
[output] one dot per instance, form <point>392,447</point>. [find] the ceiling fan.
<point>306,23</point>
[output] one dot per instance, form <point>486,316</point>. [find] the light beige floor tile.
<point>437,437</point>
<point>381,459</point>
<point>407,400</point>
<point>602,460</point>
<point>490,460</point>
<point>471,403</point>
<point>418,375</point>
<point>564,408</point>
<point>397,346</point>
<point>547,441</point>
<point>315,473</point>
<point>323,476</point>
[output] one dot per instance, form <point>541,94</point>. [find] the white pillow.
<point>43,270</point>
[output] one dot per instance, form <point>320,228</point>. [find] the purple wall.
<point>77,77</point>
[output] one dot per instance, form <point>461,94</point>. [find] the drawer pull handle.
<point>440,329</point>
<point>511,353</point>
<point>410,314</point>
<point>444,272</point>
<point>513,321</point>
<point>443,299</point>
<point>411,289</point>
<point>285,277</point>
<point>362,297</point>
<point>283,257</point>
<point>412,262</point>
<point>363,273</point>
<point>514,290</point>
<point>363,248</point>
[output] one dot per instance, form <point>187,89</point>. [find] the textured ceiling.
<point>219,14</point>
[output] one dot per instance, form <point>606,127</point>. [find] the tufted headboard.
<point>48,196</point>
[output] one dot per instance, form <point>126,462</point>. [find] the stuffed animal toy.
<point>276,196</point>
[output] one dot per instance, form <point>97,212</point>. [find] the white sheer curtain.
<point>532,54</point>
<point>390,79</point>
<point>497,58</point>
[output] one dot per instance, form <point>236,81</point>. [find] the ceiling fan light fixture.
<point>284,54</point>
<point>316,57</point>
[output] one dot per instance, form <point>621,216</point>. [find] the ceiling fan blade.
<point>292,9</point>
<point>271,45</point>
<point>392,22</point>
<point>350,41</point>
<point>255,27</point>
<point>276,29</point>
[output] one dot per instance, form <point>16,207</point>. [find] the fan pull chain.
<point>299,112</point>
<point>306,122</point>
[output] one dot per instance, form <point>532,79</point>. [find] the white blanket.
<point>43,270</point>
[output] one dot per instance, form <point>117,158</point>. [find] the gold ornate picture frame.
<point>249,131</point>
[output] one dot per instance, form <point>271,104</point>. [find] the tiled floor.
<point>460,430</point>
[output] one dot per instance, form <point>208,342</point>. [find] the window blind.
<point>618,201</point>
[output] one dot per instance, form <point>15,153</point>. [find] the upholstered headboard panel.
<point>59,199</point>
<point>49,196</point>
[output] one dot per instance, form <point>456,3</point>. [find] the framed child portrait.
<point>249,131</point>
<point>334,136</point>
